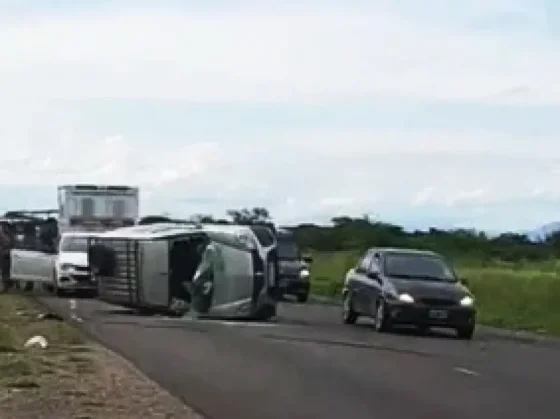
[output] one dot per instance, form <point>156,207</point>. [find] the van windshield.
<point>74,244</point>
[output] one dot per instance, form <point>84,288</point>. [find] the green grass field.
<point>523,296</point>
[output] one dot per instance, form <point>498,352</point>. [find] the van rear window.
<point>264,235</point>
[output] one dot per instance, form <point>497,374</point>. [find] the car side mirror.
<point>307,258</point>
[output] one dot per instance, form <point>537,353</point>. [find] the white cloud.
<point>306,57</point>
<point>311,55</point>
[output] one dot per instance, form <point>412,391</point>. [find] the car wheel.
<point>349,316</point>
<point>465,333</point>
<point>302,298</point>
<point>422,329</point>
<point>382,323</point>
<point>59,292</point>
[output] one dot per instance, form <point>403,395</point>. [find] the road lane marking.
<point>466,371</point>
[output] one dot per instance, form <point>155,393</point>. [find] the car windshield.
<point>74,244</point>
<point>287,249</point>
<point>418,267</point>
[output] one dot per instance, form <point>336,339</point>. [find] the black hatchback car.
<point>408,287</point>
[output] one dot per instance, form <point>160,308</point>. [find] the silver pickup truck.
<point>62,269</point>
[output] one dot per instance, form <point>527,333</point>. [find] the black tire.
<point>265,313</point>
<point>382,323</point>
<point>422,329</point>
<point>465,333</point>
<point>28,286</point>
<point>302,298</point>
<point>59,292</point>
<point>349,316</point>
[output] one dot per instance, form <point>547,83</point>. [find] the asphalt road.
<point>308,365</point>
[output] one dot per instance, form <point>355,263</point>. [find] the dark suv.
<point>294,270</point>
<point>408,287</point>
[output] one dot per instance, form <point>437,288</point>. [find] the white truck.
<point>82,210</point>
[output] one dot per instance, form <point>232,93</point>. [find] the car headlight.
<point>66,267</point>
<point>406,298</point>
<point>304,273</point>
<point>467,301</point>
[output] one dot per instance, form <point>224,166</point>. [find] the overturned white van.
<point>225,271</point>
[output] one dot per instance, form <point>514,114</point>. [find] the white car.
<point>71,270</point>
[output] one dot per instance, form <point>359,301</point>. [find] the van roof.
<point>152,231</point>
<point>80,234</point>
<point>163,230</point>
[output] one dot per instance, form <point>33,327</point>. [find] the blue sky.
<point>421,113</point>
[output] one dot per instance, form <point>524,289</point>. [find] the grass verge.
<point>518,297</point>
<point>71,378</point>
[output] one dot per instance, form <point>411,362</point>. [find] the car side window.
<point>364,263</point>
<point>26,241</point>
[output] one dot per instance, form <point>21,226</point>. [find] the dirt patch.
<point>72,377</point>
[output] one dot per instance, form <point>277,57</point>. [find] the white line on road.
<point>466,371</point>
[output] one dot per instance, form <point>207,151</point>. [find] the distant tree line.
<point>359,233</point>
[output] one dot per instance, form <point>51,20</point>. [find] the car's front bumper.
<point>431,316</point>
<point>73,281</point>
<point>294,285</point>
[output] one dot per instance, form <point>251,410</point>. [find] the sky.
<point>435,113</point>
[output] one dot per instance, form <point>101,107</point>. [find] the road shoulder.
<point>72,377</point>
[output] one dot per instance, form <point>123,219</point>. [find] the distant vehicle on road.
<point>89,208</point>
<point>293,266</point>
<point>408,287</point>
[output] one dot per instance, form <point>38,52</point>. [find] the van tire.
<point>28,286</point>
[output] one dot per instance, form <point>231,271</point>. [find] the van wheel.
<point>382,322</point>
<point>349,316</point>
<point>28,286</point>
